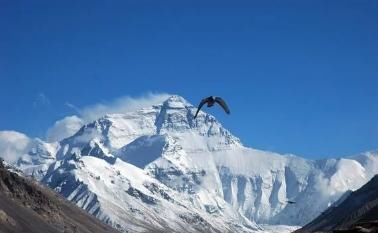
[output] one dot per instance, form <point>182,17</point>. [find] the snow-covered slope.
<point>108,166</point>
<point>127,198</point>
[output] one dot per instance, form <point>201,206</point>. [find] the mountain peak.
<point>176,101</point>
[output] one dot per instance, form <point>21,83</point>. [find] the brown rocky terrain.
<point>26,206</point>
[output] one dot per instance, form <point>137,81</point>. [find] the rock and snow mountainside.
<point>158,168</point>
<point>26,206</point>
<point>356,212</point>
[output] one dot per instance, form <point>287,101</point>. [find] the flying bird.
<point>210,101</point>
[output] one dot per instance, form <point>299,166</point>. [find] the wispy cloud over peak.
<point>121,105</point>
<point>64,128</point>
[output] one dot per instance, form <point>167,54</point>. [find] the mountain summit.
<point>158,169</point>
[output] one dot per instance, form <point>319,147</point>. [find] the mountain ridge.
<point>202,164</point>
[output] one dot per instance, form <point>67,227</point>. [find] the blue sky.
<point>300,76</point>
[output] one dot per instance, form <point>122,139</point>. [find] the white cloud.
<point>64,128</point>
<point>121,105</point>
<point>13,145</point>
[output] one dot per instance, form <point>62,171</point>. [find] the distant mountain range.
<point>158,169</point>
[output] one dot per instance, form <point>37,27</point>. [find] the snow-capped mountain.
<point>130,200</point>
<point>158,168</point>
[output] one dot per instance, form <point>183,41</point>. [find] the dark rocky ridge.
<point>357,213</point>
<point>26,206</point>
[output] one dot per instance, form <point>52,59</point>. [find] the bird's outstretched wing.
<point>203,101</point>
<point>223,104</point>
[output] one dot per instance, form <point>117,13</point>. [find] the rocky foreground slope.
<point>26,206</point>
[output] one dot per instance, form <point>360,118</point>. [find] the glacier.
<point>158,169</point>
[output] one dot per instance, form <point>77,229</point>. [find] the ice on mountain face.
<point>279,228</point>
<point>39,156</point>
<point>142,150</point>
<point>127,198</point>
<point>195,172</point>
<point>174,116</point>
<point>174,169</point>
<point>154,140</point>
<point>89,140</point>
